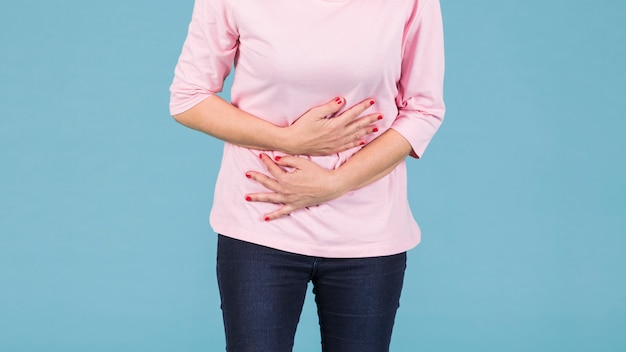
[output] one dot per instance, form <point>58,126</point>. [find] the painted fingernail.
<point>362,143</point>
<point>248,198</point>
<point>260,156</point>
<point>372,102</point>
<point>338,100</point>
<point>248,175</point>
<point>267,218</point>
<point>380,117</point>
<point>375,129</point>
<point>277,158</point>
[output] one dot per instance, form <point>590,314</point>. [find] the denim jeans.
<point>263,289</point>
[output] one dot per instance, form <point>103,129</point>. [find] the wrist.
<point>340,182</point>
<point>285,142</point>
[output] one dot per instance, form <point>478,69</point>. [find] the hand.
<point>315,133</point>
<point>307,184</point>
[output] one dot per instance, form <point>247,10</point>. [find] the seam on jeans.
<point>314,267</point>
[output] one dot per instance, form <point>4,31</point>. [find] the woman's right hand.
<point>318,132</point>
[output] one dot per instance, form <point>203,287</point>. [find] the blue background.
<point>104,238</point>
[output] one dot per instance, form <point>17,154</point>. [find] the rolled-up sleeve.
<point>207,55</point>
<point>420,91</point>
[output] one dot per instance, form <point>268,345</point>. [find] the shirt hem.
<point>365,251</point>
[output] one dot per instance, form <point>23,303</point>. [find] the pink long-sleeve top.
<point>292,55</point>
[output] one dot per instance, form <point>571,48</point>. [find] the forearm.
<point>312,133</point>
<point>306,183</point>
<point>373,162</point>
<point>218,118</point>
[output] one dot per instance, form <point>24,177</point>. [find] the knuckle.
<point>365,123</point>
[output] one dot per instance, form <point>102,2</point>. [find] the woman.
<point>312,188</point>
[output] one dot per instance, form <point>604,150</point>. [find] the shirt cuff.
<point>418,129</point>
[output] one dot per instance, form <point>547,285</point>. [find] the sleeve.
<point>420,90</point>
<point>207,55</point>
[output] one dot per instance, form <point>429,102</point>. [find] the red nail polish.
<point>372,102</point>
<point>375,129</point>
<point>338,100</point>
<point>267,218</point>
<point>248,175</point>
<point>248,198</point>
<point>380,117</point>
<point>260,156</point>
<point>362,143</point>
<point>277,158</point>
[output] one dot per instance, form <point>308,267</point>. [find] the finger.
<point>271,166</point>
<point>369,129</point>
<point>293,162</point>
<point>358,138</point>
<point>328,109</point>
<point>356,144</point>
<point>355,111</point>
<point>365,121</point>
<point>267,197</point>
<point>264,180</point>
<point>363,126</point>
<point>280,212</point>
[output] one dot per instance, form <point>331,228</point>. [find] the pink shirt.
<point>293,55</point>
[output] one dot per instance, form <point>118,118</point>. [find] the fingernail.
<point>248,198</point>
<point>338,100</point>
<point>380,117</point>
<point>267,218</point>
<point>362,143</point>
<point>372,102</point>
<point>277,158</point>
<point>375,129</point>
<point>260,156</point>
<point>248,175</point>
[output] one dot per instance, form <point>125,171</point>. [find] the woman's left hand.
<point>305,184</point>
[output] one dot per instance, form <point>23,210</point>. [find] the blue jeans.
<point>263,289</point>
